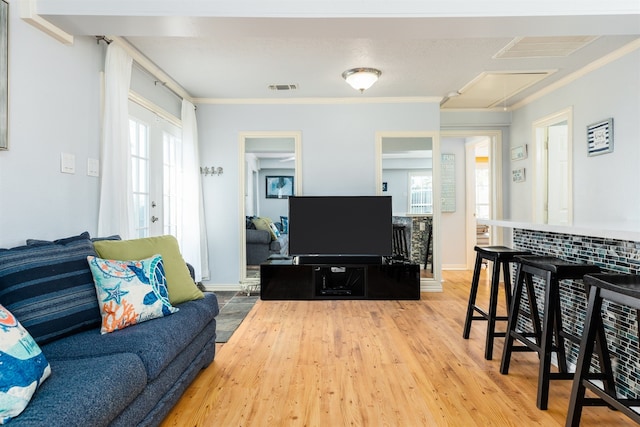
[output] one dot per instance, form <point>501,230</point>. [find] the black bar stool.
<point>551,270</point>
<point>501,256</point>
<point>400,247</point>
<point>623,289</point>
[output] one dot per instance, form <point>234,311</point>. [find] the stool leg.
<point>506,272</point>
<point>493,308</point>
<point>604,358</point>
<point>513,321</point>
<point>592,323</point>
<point>548,323</point>
<point>533,309</point>
<point>559,339</point>
<point>472,297</point>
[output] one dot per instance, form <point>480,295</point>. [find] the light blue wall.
<point>338,157</point>
<point>54,107</point>
<point>606,188</point>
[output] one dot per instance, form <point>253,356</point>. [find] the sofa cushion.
<point>180,284</point>
<point>81,391</point>
<point>264,223</point>
<point>130,292</point>
<point>148,340</point>
<point>48,286</point>
<point>23,367</point>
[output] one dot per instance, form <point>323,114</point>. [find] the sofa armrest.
<point>192,271</point>
<point>258,236</point>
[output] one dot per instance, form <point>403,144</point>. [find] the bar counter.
<point>615,248</point>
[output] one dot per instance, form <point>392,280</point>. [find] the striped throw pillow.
<point>49,287</point>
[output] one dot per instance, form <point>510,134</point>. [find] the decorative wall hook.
<point>211,170</point>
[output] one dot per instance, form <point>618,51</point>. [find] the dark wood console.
<point>284,280</point>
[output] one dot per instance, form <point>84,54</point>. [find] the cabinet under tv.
<point>350,278</point>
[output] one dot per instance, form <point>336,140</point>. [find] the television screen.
<point>340,225</point>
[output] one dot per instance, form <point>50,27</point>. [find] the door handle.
<point>154,218</point>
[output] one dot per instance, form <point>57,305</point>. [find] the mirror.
<point>406,173</point>
<point>270,172</point>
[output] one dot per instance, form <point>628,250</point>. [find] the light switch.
<point>93,167</point>
<point>67,163</point>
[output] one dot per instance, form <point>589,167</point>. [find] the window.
<point>156,169</point>
<point>139,139</point>
<point>421,192</point>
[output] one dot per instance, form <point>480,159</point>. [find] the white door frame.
<point>540,168</point>
<point>495,156</point>
<point>242,136</point>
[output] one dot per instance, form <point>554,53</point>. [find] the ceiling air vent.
<point>284,87</point>
<point>543,47</point>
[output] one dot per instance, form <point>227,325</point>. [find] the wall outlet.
<point>422,226</point>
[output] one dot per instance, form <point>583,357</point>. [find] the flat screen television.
<point>340,226</point>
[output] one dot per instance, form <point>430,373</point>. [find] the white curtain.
<point>194,235</point>
<point>115,214</point>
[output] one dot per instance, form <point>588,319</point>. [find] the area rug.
<point>234,307</point>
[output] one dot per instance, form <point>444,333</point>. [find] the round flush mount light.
<point>361,78</point>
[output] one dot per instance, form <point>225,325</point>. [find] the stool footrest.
<point>571,337</point>
<point>521,348</point>
<point>623,405</point>
<point>523,338</point>
<point>561,375</point>
<point>485,316</point>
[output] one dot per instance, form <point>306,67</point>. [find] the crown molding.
<point>316,101</point>
<point>28,14</point>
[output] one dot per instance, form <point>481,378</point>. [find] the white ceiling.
<point>225,51</point>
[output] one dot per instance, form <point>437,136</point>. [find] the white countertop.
<point>629,232</point>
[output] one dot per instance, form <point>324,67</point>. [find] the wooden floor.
<point>371,363</point>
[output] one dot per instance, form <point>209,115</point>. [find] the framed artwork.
<point>519,175</point>
<point>4,75</point>
<point>279,187</point>
<point>600,137</point>
<point>519,153</point>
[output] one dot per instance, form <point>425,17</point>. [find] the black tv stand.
<point>337,259</point>
<point>288,280</point>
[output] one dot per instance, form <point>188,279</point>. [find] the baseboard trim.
<point>430,286</point>
<point>222,287</point>
<point>456,267</point>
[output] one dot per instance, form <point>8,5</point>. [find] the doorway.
<point>482,187</point>
<point>264,155</point>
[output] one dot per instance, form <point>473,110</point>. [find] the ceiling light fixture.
<point>361,78</point>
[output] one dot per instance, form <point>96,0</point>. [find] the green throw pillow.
<point>179,282</point>
<point>264,223</point>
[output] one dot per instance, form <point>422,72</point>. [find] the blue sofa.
<point>260,245</point>
<point>129,377</point>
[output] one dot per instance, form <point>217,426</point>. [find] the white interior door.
<point>553,194</point>
<point>558,169</point>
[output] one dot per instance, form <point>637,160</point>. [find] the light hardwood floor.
<point>371,363</point>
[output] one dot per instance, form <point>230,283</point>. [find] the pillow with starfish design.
<point>130,292</point>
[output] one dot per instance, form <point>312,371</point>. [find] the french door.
<point>156,170</point>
